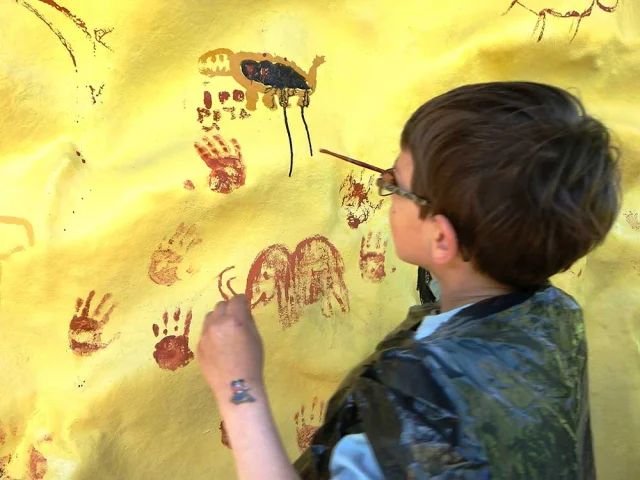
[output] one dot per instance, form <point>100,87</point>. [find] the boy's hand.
<point>230,348</point>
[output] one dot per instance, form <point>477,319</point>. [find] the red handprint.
<point>228,171</point>
<point>173,352</point>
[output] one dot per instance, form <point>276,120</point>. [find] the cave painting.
<point>228,171</point>
<point>574,15</point>
<point>172,351</point>
<point>85,328</point>
<point>96,37</point>
<point>307,427</point>
<point>170,254</point>
<point>312,274</point>
<point>356,199</point>
<point>276,78</point>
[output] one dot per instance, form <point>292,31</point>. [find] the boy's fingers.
<point>239,305</point>
<point>219,310</point>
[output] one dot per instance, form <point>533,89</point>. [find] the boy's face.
<point>431,242</point>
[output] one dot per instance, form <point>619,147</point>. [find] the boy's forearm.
<point>256,445</point>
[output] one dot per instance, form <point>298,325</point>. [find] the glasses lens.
<point>386,179</point>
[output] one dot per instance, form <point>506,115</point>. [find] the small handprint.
<point>304,430</point>
<point>173,352</point>
<point>165,260</point>
<point>372,258</point>
<point>85,329</point>
<point>228,171</point>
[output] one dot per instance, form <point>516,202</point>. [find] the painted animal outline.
<point>96,38</point>
<point>312,274</point>
<point>573,14</point>
<point>275,77</point>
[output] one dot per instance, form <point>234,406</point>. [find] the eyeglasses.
<point>387,184</point>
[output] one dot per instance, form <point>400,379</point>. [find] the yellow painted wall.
<point>103,189</point>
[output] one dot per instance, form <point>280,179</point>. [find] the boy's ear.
<point>445,240</point>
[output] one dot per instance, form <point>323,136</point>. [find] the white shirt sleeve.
<point>353,459</point>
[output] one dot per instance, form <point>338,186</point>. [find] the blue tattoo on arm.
<point>240,393</point>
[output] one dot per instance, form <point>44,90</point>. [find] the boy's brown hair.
<point>529,181</point>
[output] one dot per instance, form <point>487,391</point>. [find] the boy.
<point>498,187</point>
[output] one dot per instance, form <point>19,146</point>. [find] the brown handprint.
<point>305,431</point>
<point>372,258</point>
<point>85,330</point>
<point>163,267</point>
<point>228,171</point>
<point>173,352</point>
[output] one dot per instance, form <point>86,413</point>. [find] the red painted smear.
<point>312,274</point>
<point>165,260</point>
<point>244,114</point>
<point>85,328</point>
<point>238,95</point>
<point>172,351</point>
<point>65,11</point>
<point>356,200</point>
<point>95,93</point>
<point>223,97</point>
<point>224,437</point>
<point>205,112</point>
<point>228,171</point>
<point>188,185</point>
<point>230,110</point>
<point>573,14</point>
<point>99,34</point>
<point>372,258</point>
<point>208,100</point>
